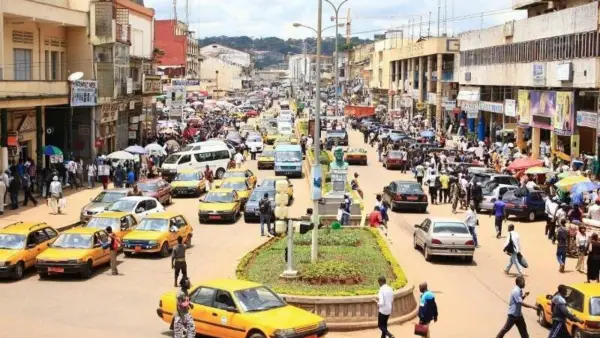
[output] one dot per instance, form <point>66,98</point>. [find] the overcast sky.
<point>264,18</point>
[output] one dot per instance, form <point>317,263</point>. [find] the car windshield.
<point>450,228</point>
<point>408,188</point>
<point>172,159</point>
<point>336,134</point>
<point>153,224</point>
<point>187,177</point>
<point>108,197</point>
<point>73,241</point>
<point>288,156</point>
<point>104,222</point>
<point>285,130</point>
<point>235,185</point>
<point>394,154</point>
<point>230,174</point>
<point>267,153</point>
<point>219,197</point>
<point>122,205</point>
<point>595,306</point>
<point>489,187</point>
<point>258,299</point>
<point>12,241</point>
<point>254,139</point>
<point>147,187</point>
<point>257,195</point>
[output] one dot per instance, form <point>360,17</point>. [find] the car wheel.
<point>220,173</point>
<point>426,253</point>
<point>469,259</point>
<point>541,317</point>
<point>43,275</point>
<point>424,210</point>
<point>128,253</point>
<point>577,333</point>
<point>257,335</point>
<point>188,241</point>
<point>19,271</point>
<point>164,250</point>
<point>531,216</point>
<point>88,271</point>
<point>415,245</point>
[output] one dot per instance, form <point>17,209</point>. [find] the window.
<point>103,236</point>
<point>224,300</point>
<point>22,61</point>
<point>54,68</point>
<point>203,157</point>
<point>185,159</point>
<point>221,155</point>
<point>63,62</point>
<point>51,233</point>
<point>179,221</point>
<point>47,64</point>
<point>142,205</point>
<point>574,299</point>
<point>151,204</point>
<point>40,236</point>
<point>203,296</point>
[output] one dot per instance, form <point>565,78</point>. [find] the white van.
<point>285,128</point>
<point>284,105</point>
<point>204,144</point>
<point>217,157</point>
<point>286,115</point>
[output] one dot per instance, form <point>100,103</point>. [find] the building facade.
<point>181,49</point>
<point>221,77</point>
<point>537,76</point>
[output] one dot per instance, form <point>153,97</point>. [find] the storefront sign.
<point>449,104</point>
<point>510,108</point>
<point>131,105</point>
<point>539,74</point>
<point>84,93</point>
<point>109,112</point>
<point>152,85</point>
<point>563,71</point>
<point>523,105</point>
<point>132,135</point>
<point>587,119</point>
<point>178,96</point>
<point>134,119</point>
<point>563,118</point>
<point>494,107</point>
<point>471,108</point>
<point>431,98</point>
<point>98,143</point>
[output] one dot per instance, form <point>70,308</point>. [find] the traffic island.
<point>342,286</point>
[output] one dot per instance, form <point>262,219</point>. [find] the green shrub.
<point>341,238</point>
<point>331,269</point>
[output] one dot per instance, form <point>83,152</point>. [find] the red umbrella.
<point>524,163</point>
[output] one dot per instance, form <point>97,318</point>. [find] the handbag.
<point>421,330</point>
<point>522,261</point>
<point>510,247</point>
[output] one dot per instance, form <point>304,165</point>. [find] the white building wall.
<point>228,54</point>
<point>141,35</point>
<point>229,74</point>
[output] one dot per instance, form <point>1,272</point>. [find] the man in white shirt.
<point>513,244</point>
<point>471,222</point>
<point>309,142</point>
<point>531,185</point>
<point>550,208</point>
<point>238,158</point>
<point>91,173</point>
<point>594,211</point>
<point>384,300</point>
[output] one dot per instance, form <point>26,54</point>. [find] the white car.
<point>256,141</point>
<point>444,237</point>
<point>491,193</point>
<point>139,206</point>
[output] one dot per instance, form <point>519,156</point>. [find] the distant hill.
<point>274,44</point>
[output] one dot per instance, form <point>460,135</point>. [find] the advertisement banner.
<point>543,103</point>
<point>493,107</point>
<point>84,93</point>
<point>524,116</point>
<point>178,96</point>
<point>471,108</point>
<point>510,108</point>
<point>587,119</point>
<point>563,119</point>
<point>317,182</point>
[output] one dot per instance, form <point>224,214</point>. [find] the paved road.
<point>472,298</point>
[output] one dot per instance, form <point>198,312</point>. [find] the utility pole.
<point>420,26</point>
<point>337,52</point>
<point>317,140</point>
<point>438,17</point>
<point>305,85</point>
<point>175,11</point>
<point>429,26</point>
<point>187,14</point>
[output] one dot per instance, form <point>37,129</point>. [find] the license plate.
<point>53,269</point>
<point>412,198</point>
<point>214,217</point>
<point>454,251</point>
<point>138,248</point>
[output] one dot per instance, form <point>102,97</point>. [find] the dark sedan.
<point>405,195</point>
<point>393,159</point>
<point>251,209</point>
<point>529,207</point>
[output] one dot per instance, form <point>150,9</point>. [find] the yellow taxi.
<point>240,309</point>
<point>20,244</point>
<point>272,136</point>
<point>583,300</point>
<point>121,223</point>
<point>188,182</point>
<point>237,173</point>
<point>239,114</point>
<point>75,251</point>
<point>240,185</point>
<point>356,156</point>
<point>269,181</point>
<point>158,233</point>
<point>219,204</point>
<point>266,159</point>
<point>286,139</point>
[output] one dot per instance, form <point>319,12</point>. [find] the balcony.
<point>123,33</point>
<point>33,89</point>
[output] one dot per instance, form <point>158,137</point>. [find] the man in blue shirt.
<point>498,212</point>
<point>515,316</point>
<point>130,178</point>
<point>427,307</point>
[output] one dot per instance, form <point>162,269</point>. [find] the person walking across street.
<point>208,177</point>
<point>428,310</point>
<point>445,187</point>
<point>385,299</point>
<point>560,315</point>
<point>55,192</point>
<point>130,178</point>
<point>115,243</point>
<point>471,221</point>
<point>14,187</point>
<point>253,151</point>
<point>419,174</point>
<point>265,208</point>
<point>562,244</point>
<point>27,195</point>
<point>92,170</point>
<point>499,215</point>
<point>183,321</point>
<point>239,159</point>
<point>515,315</point>
<point>178,262</point>
<point>512,247</point>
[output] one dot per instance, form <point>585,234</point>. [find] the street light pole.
<point>337,70</point>
<point>317,140</point>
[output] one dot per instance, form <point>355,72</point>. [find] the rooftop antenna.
<point>420,26</point>
<point>175,10</point>
<point>429,25</point>
<point>187,13</point>
<point>348,28</point>
<point>438,17</point>
<point>446,18</point>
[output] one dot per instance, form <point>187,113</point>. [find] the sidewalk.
<point>76,199</point>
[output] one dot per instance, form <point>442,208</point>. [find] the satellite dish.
<point>75,76</point>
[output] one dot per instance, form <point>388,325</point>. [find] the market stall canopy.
<point>538,170</point>
<point>524,163</point>
<point>567,183</point>
<point>52,150</point>
<point>155,149</point>
<point>121,156</point>
<point>567,174</point>
<point>136,150</point>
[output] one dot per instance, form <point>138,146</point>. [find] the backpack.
<point>265,206</point>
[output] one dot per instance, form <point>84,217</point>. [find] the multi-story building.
<point>182,55</point>
<point>41,43</point>
<point>232,57</point>
<point>220,77</point>
<point>537,76</point>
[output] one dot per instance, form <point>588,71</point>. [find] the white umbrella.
<point>121,155</point>
<point>155,149</point>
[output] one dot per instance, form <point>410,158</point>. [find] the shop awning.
<point>469,94</point>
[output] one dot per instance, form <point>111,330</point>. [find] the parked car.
<point>444,237</point>
<point>266,159</point>
<point>100,202</point>
<point>484,178</point>
<point>407,195</point>
<point>491,193</point>
<point>529,207</point>
<point>188,182</point>
<point>121,223</point>
<point>157,188</point>
<point>337,136</point>
<point>356,156</point>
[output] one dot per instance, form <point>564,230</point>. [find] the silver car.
<point>100,202</point>
<point>444,237</point>
<point>491,193</point>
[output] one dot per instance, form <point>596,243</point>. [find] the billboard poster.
<point>543,108</point>
<point>523,108</point>
<point>84,93</point>
<point>563,120</point>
